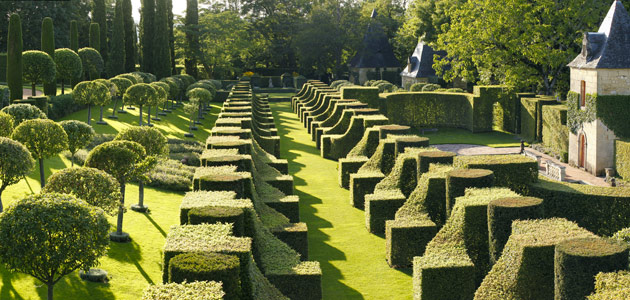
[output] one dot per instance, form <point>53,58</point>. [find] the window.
<point>582,93</point>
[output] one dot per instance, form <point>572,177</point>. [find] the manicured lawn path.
<point>352,260</point>
<point>131,266</point>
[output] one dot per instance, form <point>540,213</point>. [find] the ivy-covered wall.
<point>613,111</point>
<point>555,133</point>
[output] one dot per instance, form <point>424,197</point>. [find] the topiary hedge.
<point>622,158</point>
<point>516,172</point>
<point>184,291</point>
<point>457,181</point>
<point>602,210</point>
<point>225,268</point>
<point>364,94</point>
<point>21,112</point>
<point>216,214</point>
<point>555,133</point>
<point>614,285</point>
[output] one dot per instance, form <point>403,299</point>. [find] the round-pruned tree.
<point>79,134</point>
<point>90,93</point>
<point>51,235</point>
<point>123,160</point>
<point>15,163</point>
<point>191,108</point>
<point>94,186</point>
<point>69,66</point>
<point>122,84</point>
<point>173,91</point>
<point>113,90</point>
<point>14,57</point>
<point>39,67</point>
<point>139,94</point>
<point>92,62</point>
<point>22,112</point>
<point>160,97</point>
<point>164,100</point>
<point>202,95</point>
<point>154,143</point>
<point>43,138</point>
<point>48,46</point>
<point>7,123</point>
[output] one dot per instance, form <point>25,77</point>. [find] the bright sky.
<point>179,7</point>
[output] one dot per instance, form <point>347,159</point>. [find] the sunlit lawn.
<point>131,266</point>
<point>495,139</point>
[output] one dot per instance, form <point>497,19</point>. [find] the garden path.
<point>28,93</point>
<point>352,260</point>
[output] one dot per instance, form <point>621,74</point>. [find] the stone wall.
<point>600,147</point>
<point>601,81</point>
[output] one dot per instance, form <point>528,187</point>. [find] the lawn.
<point>131,266</point>
<point>494,139</point>
<point>352,260</point>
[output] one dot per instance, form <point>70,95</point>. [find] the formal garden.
<point>185,150</point>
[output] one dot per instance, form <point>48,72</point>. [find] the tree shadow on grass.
<point>8,291</point>
<point>129,253</point>
<point>155,224</point>
<point>73,287</point>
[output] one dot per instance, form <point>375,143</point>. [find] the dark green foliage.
<point>74,36</point>
<point>116,63</point>
<point>602,210</point>
<point>153,141</point>
<point>6,124</point>
<point>162,52</point>
<point>23,112</point>
<point>15,163</point>
<point>62,105</point>
<point>578,261</point>
<point>121,159</point>
<point>99,16</point>
<point>147,36</point>
<point>425,159</point>
<point>92,62</point>
<point>129,34</point>
<point>3,67</point>
<point>171,175</point>
<point>506,107</point>
<point>610,109</point>
<point>555,133</point>
<point>501,213</point>
<point>48,46</point>
<point>191,267</point>
<point>40,102</point>
<point>430,87</point>
<point>457,181</point>
<point>214,214</point>
<point>368,95</point>
<point>192,38</point>
<point>95,37</point>
<point>622,158</point>
<point>417,87</point>
<point>14,57</point>
<point>532,117</point>
<point>5,95</point>
<point>69,66</point>
<point>79,134</point>
<point>38,67</point>
<point>516,172</point>
<point>74,232</point>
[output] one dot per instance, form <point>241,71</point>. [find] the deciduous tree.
<point>15,163</point>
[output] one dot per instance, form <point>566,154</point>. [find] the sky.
<point>179,7</point>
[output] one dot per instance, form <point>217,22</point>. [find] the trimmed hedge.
<point>457,181</point>
<point>610,286</point>
<point>338,146</point>
<point>578,261</point>
<point>526,268</point>
<point>555,133</point>
<point>531,117</point>
<point>189,267</point>
<point>372,172</point>
<point>622,158</point>
<point>184,291</point>
<point>201,199</point>
<point>506,107</point>
<point>425,159</point>
<point>219,214</point>
<point>358,155</point>
<point>501,213</point>
<point>364,94</point>
<point>516,172</point>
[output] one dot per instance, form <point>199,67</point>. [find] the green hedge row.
<point>622,158</point>
<point>506,109</point>
<point>555,133</point>
<point>365,94</point>
<point>614,285</point>
<point>516,172</point>
<point>189,267</point>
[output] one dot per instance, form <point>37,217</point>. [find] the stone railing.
<point>555,171</point>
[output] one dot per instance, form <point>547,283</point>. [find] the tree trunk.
<point>140,116</point>
<point>149,116</point>
<point>115,105</point>
<point>33,90</point>
<point>141,194</point>
<point>50,290</point>
<point>89,114</point>
<point>63,90</point>
<point>119,223</point>
<point>41,172</point>
<point>1,207</point>
<point>101,118</point>
<point>72,160</point>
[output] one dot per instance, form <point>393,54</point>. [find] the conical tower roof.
<point>376,51</point>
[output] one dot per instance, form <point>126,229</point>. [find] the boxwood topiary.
<point>21,112</point>
<point>223,214</point>
<point>184,291</point>
<point>6,124</point>
<point>457,181</point>
<point>189,267</point>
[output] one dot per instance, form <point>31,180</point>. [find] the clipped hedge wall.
<point>615,285</point>
<point>555,133</point>
<point>516,171</point>
<point>364,94</point>
<point>602,210</point>
<point>225,268</point>
<point>531,117</point>
<point>216,214</point>
<point>622,158</point>
<point>506,107</point>
<point>184,291</point>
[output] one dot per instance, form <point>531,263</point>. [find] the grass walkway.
<point>131,266</point>
<point>352,260</point>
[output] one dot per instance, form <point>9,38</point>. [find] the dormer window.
<point>582,93</point>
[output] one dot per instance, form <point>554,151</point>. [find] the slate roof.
<point>609,47</point>
<point>420,64</point>
<point>376,51</point>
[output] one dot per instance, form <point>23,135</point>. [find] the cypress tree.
<point>48,46</point>
<point>117,63</point>
<point>192,38</point>
<point>95,37</point>
<point>74,36</point>
<point>99,15</point>
<point>130,40</point>
<point>14,57</point>
<point>148,35</point>
<point>162,50</point>
<point>171,36</point>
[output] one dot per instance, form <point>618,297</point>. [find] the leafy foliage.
<point>15,163</point>
<point>139,94</point>
<point>68,63</point>
<point>6,124</point>
<point>22,112</point>
<point>122,159</point>
<point>79,134</point>
<point>51,235</point>
<point>94,186</point>
<point>92,62</point>
<point>38,67</point>
<point>91,93</point>
<point>122,84</point>
<point>43,137</point>
<point>153,141</point>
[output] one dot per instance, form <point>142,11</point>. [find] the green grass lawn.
<point>131,266</point>
<point>494,139</point>
<point>280,95</point>
<point>352,260</point>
